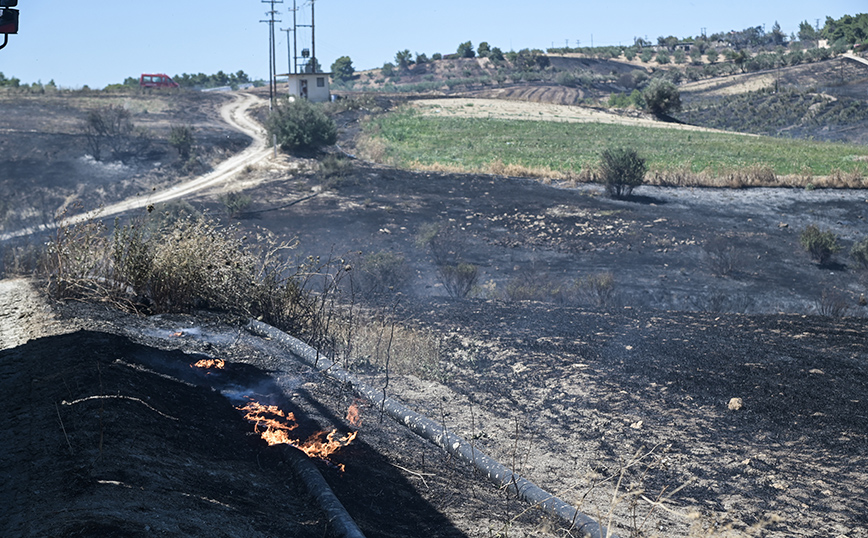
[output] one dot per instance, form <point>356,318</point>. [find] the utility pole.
<point>313,36</point>
<point>294,39</point>
<point>312,42</point>
<point>272,56</point>
<point>288,54</point>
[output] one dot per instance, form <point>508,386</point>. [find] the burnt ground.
<point>713,300</point>
<point>44,162</point>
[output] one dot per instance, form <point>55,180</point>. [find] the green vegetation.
<point>342,69</point>
<point>465,50</point>
<point>301,126</point>
<point>413,139</point>
<point>661,97</point>
<point>218,79</point>
<point>822,245</point>
<point>181,138</point>
<point>621,170</point>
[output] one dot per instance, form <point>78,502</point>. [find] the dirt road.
<point>235,113</point>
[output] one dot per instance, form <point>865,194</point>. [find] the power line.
<point>272,56</point>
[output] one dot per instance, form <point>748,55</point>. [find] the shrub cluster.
<point>300,125</point>
<point>189,263</point>
<point>822,245</point>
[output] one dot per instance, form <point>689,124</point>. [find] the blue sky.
<point>99,42</point>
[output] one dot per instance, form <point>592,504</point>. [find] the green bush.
<point>301,125</point>
<point>859,253</point>
<point>181,138</point>
<point>661,97</point>
<point>621,170</point>
<point>822,245</point>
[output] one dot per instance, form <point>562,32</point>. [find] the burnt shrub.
<point>110,129</point>
<point>381,273</point>
<point>459,279</point>
<point>447,247</point>
<point>621,170</point>
<point>722,256</point>
<point>859,253</point>
<point>822,245</point>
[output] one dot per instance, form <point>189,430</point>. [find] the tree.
<point>807,32</point>
<point>777,36</point>
<point>495,55</point>
<point>301,125</point>
<point>661,97</point>
<point>621,170</point>
<point>404,58</point>
<point>388,69</point>
<point>483,50</point>
<point>465,50</point>
<point>342,69</point>
<point>712,55</point>
<point>181,138</point>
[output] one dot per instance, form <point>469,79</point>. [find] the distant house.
<point>684,45</point>
<point>311,86</point>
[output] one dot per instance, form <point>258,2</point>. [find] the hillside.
<point>826,100</point>
<point>680,340</point>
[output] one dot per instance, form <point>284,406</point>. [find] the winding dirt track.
<point>233,113</point>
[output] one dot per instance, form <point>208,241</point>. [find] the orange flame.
<point>274,425</point>
<point>354,417</point>
<point>209,363</point>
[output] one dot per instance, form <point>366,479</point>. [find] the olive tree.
<point>621,170</point>
<point>661,97</point>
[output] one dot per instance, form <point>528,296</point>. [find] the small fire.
<point>354,417</point>
<point>274,425</point>
<point>209,363</point>
<point>177,334</point>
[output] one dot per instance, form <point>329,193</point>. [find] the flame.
<point>274,425</point>
<point>179,333</point>
<point>209,363</point>
<point>354,417</point>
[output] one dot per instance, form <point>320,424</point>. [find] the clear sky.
<point>99,42</point>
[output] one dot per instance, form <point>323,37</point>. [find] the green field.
<point>413,139</point>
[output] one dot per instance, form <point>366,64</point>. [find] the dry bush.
<point>381,273</point>
<point>833,303</point>
<point>722,256</point>
<point>375,341</point>
<point>235,203</point>
<point>372,148</point>
<point>838,179</point>
<point>190,263</point>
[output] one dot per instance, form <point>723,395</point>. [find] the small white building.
<point>311,86</point>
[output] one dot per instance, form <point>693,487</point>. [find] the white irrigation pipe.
<point>439,435</point>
